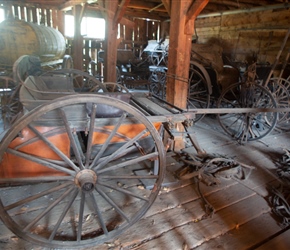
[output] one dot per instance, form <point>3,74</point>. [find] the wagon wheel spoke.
<point>54,148</point>
<point>98,212</point>
<point>127,163</point>
<point>73,140</point>
<point>29,180</point>
<point>113,204</point>
<point>41,161</point>
<point>66,209</point>
<point>122,190</point>
<point>120,151</point>
<point>72,196</point>
<point>51,206</point>
<point>36,196</point>
<point>108,140</point>
<point>81,215</point>
<point>90,137</point>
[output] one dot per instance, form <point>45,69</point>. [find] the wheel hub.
<point>86,179</point>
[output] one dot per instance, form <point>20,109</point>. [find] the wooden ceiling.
<point>152,9</point>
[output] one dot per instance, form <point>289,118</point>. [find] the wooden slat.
<point>281,242</point>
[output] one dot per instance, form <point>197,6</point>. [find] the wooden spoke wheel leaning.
<point>247,126</point>
<point>157,82</point>
<point>198,92</point>
<point>72,178</point>
<point>281,95</point>
<point>80,80</point>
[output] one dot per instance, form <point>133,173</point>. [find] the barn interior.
<point>157,124</point>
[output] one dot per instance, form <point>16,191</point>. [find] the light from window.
<point>2,15</point>
<point>91,27</point>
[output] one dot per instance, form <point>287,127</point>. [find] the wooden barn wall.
<point>48,17</point>
<point>248,36</point>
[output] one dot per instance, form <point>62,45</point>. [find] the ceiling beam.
<point>70,4</point>
<point>120,12</point>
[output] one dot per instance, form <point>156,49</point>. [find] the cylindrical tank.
<point>19,38</point>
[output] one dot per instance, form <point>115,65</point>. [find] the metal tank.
<point>19,38</point>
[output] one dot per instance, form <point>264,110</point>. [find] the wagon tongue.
<point>86,179</point>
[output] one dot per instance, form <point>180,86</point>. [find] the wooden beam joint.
<point>192,13</point>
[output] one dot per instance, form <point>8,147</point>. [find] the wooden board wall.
<point>247,35</point>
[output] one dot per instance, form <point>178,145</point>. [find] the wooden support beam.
<point>120,12</point>
<point>183,12</point>
<point>60,21</point>
<point>34,15</point>
<point>179,55</point>
<point>110,58</point>
<point>128,23</point>
<point>48,17</point>
<point>77,52</point>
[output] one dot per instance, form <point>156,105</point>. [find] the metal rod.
<point>237,110</point>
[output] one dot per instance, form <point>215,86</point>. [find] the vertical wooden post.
<point>179,55</point>
<point>77,52</point>
<point>110,47</point>
<point>60,21</point>
<point>48,18</point>
<point>34,15</point>
<point>183,15</point>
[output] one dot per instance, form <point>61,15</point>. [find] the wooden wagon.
<point>79,158</point>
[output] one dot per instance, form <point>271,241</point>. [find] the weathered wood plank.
<point>181,227</point>
<point>245,236</point>
<point>281,242</point>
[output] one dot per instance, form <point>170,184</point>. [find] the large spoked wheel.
<point>82,81</point>
<point>10,105</point>
<point>75,178</point>
<point>198,92</point>
<point>247,126</point>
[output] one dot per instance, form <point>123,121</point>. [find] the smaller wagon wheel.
<point>82,81</point>
<point>10,105</point>
<point>279,91</point>
<point>198,92</point>
<point>247,126</point>
<point>157,82</point>
<point>155,58</point>
<point>77,177</point>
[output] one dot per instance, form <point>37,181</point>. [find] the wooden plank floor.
<point>242,220</point>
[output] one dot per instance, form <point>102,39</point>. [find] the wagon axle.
<point>86,179</point>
